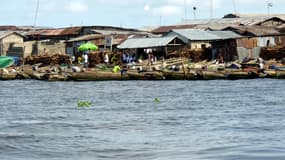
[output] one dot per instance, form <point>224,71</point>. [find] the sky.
<point>125,13</point>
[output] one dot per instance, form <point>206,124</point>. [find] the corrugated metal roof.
<point>100,39</point>
<point>165,29</point>
<point>146,42</point>
<point>87,37</point>
<point>57,32</point>
<point>234,21</point>
<point>3,34</point>
<point>8,28</point>
<point>114,32</point>
<point>202,35</point>
<point>254,30</point>
<point>246,15</point>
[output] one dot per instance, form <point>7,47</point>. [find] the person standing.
<point>106,58</point>
<point>85,57</point>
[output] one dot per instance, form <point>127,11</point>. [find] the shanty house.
<point>100,40</point>
<point>106,38</point>
<point>11,43</point>
<point>222,43</point>
<point>160,46</point>
<point>256,38</point>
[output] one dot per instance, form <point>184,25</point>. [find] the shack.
<point>158,46</point>
<point>256,38</point>
<point>222,43</point>
<point>104,42</point>
<point>11,44</point>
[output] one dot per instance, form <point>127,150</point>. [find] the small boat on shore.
<point>179,75</point>
<point>211,75</point>
<point>235,74</point>
<point>8,76</point>
<point>97,76</point>
<point>146,75</point>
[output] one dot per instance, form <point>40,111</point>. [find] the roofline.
<point>12,32</point>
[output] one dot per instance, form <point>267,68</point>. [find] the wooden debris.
<point>277,53</point>
<point>45,59</point>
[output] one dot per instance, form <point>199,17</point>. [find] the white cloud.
<point>167,11</point>
<point>76,6</point>
<point>146,8</point>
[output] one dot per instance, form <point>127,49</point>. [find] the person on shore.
<point>261,65</point>
<point>124,58</point>
<point>85,57</point>
<point>106,58</point>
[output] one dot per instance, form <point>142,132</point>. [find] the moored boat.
<point>147,75</point>
<point>179,75</point>
<point>97,76</point>
<point>8,76</point>
<point>211,75</point>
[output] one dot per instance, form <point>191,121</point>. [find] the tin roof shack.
<point>160,46</point>
<point>221,43</point>
<point>106,38</point>
<point>55,34</point>
<point>256,38</point>
<point>98,39</point>
<point>11,43</point>
<point>50,41</point>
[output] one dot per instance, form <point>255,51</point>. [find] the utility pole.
<point>268,8</point>
<point>211,9</point>
<point>36,13</point>
<point>235,7</point>
<point>194,12</point>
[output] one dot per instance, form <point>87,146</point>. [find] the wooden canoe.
<point>178,75</point>
<point>148,75</point>
<point>211,75</point>
<point>97,76</point>
<point>8,76</point>
<point>235,74</point>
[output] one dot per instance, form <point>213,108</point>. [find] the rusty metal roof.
<point>57,32</point>
<point>254,30</point>
<point>8,28</point>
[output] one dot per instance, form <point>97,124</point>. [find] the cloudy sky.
<point>125,13</point>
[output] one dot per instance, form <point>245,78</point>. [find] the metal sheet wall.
<point>244,52</point>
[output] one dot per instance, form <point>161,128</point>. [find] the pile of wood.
<point>277,53</point>
<point>98,58</point>
<point>194,55</point>
<point>46,59</point>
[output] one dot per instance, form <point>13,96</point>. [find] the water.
<point>204,120</point>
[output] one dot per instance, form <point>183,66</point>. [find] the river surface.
<point>203,120</point>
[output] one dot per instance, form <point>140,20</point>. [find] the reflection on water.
<point>193,120</point>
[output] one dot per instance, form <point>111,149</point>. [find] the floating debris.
<point>156,100</point>
<point>84,104</point>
